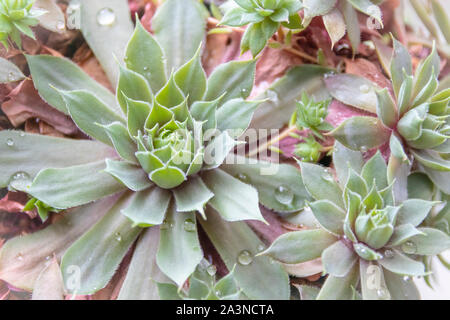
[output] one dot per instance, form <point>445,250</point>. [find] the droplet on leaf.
<point>284,195</point>
<point>245,258</point>
<point>106,17</point>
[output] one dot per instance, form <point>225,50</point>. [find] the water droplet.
<point>145,68</point>
<point>245,258</point>
<point>244,93</point>
<point>406,278</point>
<point>19,257</point>
<point>106,17</point>
<point>10,142</point>
<point>22,134</point>
<point>243,177</point>
<point>47,258</point>
<point>409,247</point>
<point>118,237</point>
<point>326,175</point>
<point>60,25</point>
<point>388,254</point>
<point>11,76</point>
<point>383,294</point>
<point>20,181</point>
<point>211,270</point>
<point>364,88</point>
<point>284,195</point>
<point>363,149</point>
<point>272,96</point>
<point>189,225</point>
<point>261,248</point>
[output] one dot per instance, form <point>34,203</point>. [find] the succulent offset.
<point>363,230</point>
<point>263,18</point>
<point>16,17</point>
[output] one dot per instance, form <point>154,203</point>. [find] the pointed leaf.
<point>236,115</point>
<point>343,159</point>
<point>121,141</point>
<point>414,211</point>
<point>401,264</point>
<point>233,199</point>
<point>431,242</point>
<point>338,259</point>
<point>340,288</point>
<point>192,196</point>
<point>386,109</point>
<point>133,86</point>
<point>9,72</point>
<point>132,176</point>
<point>179,250</point>
<point>73,186</point>
<point>49,285</point>
<point>330,216</point>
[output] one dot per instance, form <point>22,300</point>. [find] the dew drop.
<point>11,76</point>
<point>189,225</point>
<point>363,149</point>
<point>261,248</point>
<point>118,237</point>
<point>19,257</point>
<point>20,181</point>
<point>243,177</point>
<point>244,93</point>
<point>409,247</point>
<point>406,278</point>
<point>272,96</point>
<point>106,17</point>
<point>284,195</point>
<point>10,142</point>
<point>22,134</point>
<point>388,254</point>
<point>245,258</point>
<point>364,88</point>
<point>383,294</point>
<point>145,68</point>
<point>211,270</point>
<point>326,175</point>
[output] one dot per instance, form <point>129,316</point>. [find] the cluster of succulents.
<point>158,182</point>
<point>16,17</point>
<point>363,229</point>
<point>263,18</point>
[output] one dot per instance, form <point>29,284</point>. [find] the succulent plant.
<point>263,18</point>
<point>311,115</point>
<point>308,151</point>
<point>368,241</point>
<point>203,286</point>
<point>42,208</point>
<point>340,16</point>
<point>17,16</point>
<point>414,123</point>
<point>151,168</point>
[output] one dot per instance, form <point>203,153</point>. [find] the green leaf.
<point>397,149</point>
<point>300,246</point>
<point>361,133</point>
<point>98,253</point>
<point>52,152</point>
<point>64,75</point>
<point>399,288</point>
<point>403,265</point>
<point>121,141</point>
<point>192,196</point>
<point>404,95</point>
<point>420,186</point>
<point>307,292</point>
<point>282,95</point>
<point>145,56</point>
<point>237,244</point>
<point>148,207</point>
<point>232,80</point>
<point>431,242</point>
<point>376,169</point>
<point>352,22</point>
<point>107,40</point>
<point>174,22</point>
<point>9,72</point>
<point>73,186</point>
<point>179,250</point>
<point>441,179</point>
<point>206,111</point>
<point>132,176</point>
<point>23,258</point>
<point>373,285</point>
<point>168,177</point>
<point>133,86</point>
<point>330,216</point>
<point>218,149</point>
<point>280,187</point>
<point>442,19</point>
<point>367,7</point>
<point>191,78</point>
<point>234,200</point>
<point>345,158</point>
<point>340,288</point>
<point>315,8</point>
<point>168,291</point>
<point>49,285</point>
<point>170,95</point>
<point>87,112</point>
<point>414,211</point>
<point>353,90</point>
<point>428,69</point>
<point>323,188</point>
<point>403,233</point>
<point>143,262</point>
<point>431,160</point>
<point>335,24</point>
<point>338,259</point>
<point>236,115</point>
<point>386,109</point>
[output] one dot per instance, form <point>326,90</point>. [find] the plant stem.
<point>274,140</point>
